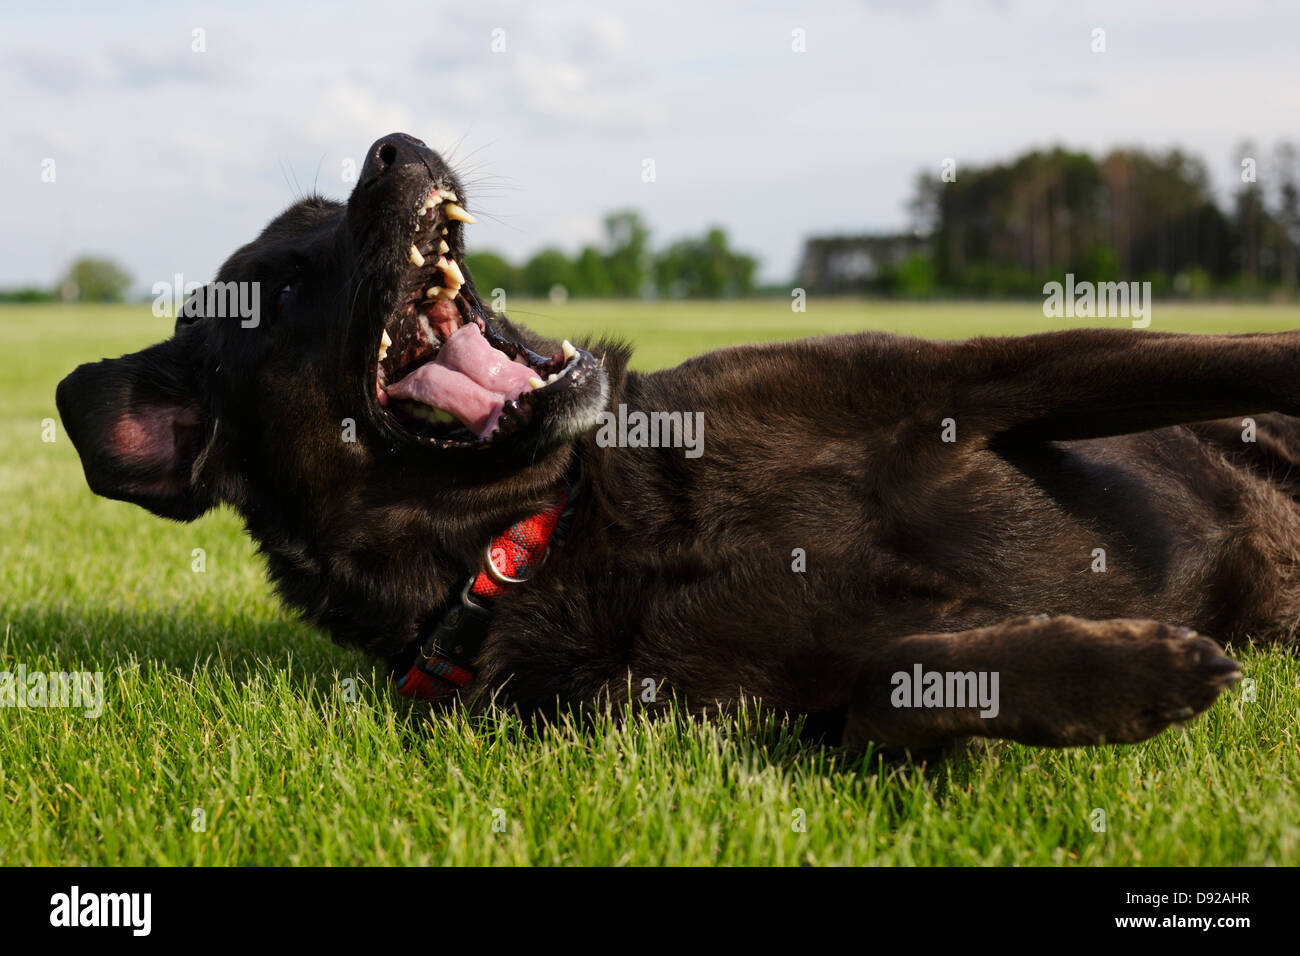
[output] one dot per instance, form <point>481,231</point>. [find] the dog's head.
<point>342,368</point>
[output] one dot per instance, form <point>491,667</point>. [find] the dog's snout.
<point>394,152</point>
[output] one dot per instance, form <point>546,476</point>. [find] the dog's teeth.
<point>535,382</point>
<point>569,350</point>
<point>433,292</point>
<point>384,343</point>
<point>448,194</point>
<point>417,260</point>
<point>455,278</point>
<point>552,377</point>
<point>454,211</point>
<point>448,294</point>
<point>442,246</point>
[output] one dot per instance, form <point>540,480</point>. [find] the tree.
<point>1287,213</point>
<point>1008,227</point>
<point>27,294</point>
<point>492,271</point>
<point>95,280</point>
<point>545,270</point>
<point>627,256</point>
<point>704,268</point>
<point>1249,215</point>
<point>591,274</point>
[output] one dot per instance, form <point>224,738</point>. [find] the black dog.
<point>864,512</point>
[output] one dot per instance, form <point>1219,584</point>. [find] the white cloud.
<point>169,159</point>
<point>565,92</point>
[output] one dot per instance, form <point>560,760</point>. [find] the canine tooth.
<point>442,246</point>
<point>535,382</point>
<point>452,271</point>
<point>384,343</point>
<point>454,211</point>
<point>417,260</point>
<point>569,350</point>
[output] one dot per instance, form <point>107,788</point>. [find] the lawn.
<point>232,734</point>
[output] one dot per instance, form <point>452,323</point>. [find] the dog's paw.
<point>1170,675</point>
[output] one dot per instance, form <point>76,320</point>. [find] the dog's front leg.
<point>1047,681</point>
<point>1091,383</point>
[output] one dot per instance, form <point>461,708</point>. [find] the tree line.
<point>623,265</point>
<point>88,279</point>
<point>1004,228</point>
<point>1132,214</point>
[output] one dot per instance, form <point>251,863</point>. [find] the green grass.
<point>216,700</point>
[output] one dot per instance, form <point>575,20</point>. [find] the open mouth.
<point>443,371</point>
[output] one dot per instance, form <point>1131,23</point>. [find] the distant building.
<point>840,264</point>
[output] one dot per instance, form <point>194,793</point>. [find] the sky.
<point>167,157</point>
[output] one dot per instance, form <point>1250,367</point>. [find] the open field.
<point>233,734</point>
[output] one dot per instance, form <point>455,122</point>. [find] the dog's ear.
<point>137,425</point>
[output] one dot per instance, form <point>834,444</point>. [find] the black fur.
<point>968,555</point>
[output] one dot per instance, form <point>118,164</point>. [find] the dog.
<point>1058,517</point>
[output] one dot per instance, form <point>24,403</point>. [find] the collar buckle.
<point>444,663</point>
<point>460,631</point>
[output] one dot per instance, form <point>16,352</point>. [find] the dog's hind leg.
<point>1046,681</point>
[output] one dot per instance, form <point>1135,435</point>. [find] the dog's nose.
<point>392,152</point>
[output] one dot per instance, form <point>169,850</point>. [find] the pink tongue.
<point>468,378</point>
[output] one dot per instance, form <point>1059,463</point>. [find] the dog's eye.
<point>283,297</point>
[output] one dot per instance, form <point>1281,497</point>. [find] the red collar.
<point>443,665</point>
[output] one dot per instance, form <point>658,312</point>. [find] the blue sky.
<point>167,159</point>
